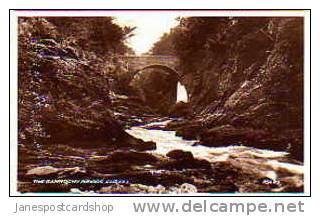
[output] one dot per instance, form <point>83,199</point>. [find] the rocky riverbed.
<point>174,166</point>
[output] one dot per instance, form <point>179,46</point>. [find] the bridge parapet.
<point>134,62</point>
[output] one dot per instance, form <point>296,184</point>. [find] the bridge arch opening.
<point>159,86</point>
<point>182,94</point>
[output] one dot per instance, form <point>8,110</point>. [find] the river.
<point>230,168</point>
<point>273,165</point>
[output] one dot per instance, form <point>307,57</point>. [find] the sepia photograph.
<point>159,102</point>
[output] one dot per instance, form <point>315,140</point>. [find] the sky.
<point>150,27</point>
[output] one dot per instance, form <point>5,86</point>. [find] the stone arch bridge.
<point>168,63</point>
<point>173,90</point>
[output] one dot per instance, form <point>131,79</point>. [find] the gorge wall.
<point>244,77</point>
<point>64,85</point>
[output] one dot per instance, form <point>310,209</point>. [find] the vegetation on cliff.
<point>65,70</point>
<point>244,77</point>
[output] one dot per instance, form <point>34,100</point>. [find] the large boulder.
<point>181,109</point>
<point>180,155</point>
<point>180,160</point>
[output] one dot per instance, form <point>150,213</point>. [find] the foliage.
<point>165,45</point>
<point>245,72</point>
<point>98,34</point>
<point>63,89</point>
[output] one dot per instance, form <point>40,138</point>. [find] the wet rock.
<point>185,188</point>
<point>190,131</point>
<point>29,187</point>
<point>226,135</point>
<point>180,155</point>
<point>53,172</point>
<point>143,146</point>
<point>225,171</point>
<point>230,135</point>
<point>183,160</point>
<point>291,184</point>
<point>178,123</point>
<point>186,164</point>
<point>227,187</point>
<point>181,109</point>
<point>131,157</point>
<point>43,171</point>
<point>84,134</point>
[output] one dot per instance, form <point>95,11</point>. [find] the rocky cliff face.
<point>247,84</point>
<point>64,93</point>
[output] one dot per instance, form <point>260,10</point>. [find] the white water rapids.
<point>265,162</point>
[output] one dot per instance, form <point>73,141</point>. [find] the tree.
<point>98,34</point>
<point>165,45</point>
